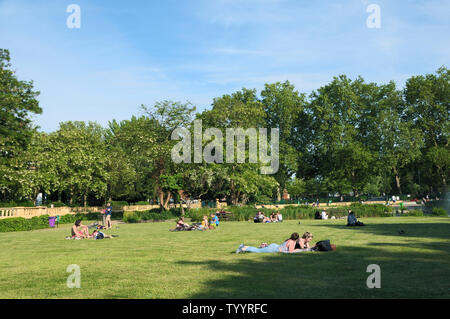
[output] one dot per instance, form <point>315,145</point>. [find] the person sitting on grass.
<point>287,246</point>
<point>214,220</point>
<point>352,220</point>
<point>259,217</point>
<point>79,230</point>
<point>317,215</point>
<point>205,223</point>
<point>273,217</point>
<point>279,217</point>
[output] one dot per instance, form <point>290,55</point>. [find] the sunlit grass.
<point>148,261</point>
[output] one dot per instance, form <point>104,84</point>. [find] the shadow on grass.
<point>416,270</point>
<point>327,275</point>
<point>424,230</point>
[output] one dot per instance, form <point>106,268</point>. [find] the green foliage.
<point>347,136</point>
<point>415,212</point>
<point>196,214</point>
<point>26,203</point>
<point>296,187</point>
<point>156,214</point>
<point>119,203</point>
<point>438,211</point>
<point>23,224</point>
<point>56,204</point>
<point>71,218</point>
<point>18,103</point>
<point>141,203</point>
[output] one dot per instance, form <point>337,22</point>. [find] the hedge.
<point>415,212</point>
<point>23,224</point>
<point>439,211</point>
<point>155,214</point>
<point>17,204</point>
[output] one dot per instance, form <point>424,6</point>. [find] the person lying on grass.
<point>181,225</point>
<point>302,244</point>
<point>96,234</point>
<point>287,246</point>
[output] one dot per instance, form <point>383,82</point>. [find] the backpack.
<point>100,235</point>
<point>324,245</point>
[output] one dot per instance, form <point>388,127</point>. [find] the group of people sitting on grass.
<point>294,244</point>
<point>80,231</point>
<point>204,225</point>
<point>275,217</point>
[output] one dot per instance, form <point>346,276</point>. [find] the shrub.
<point>141,203</point>
<point>23,224</point>
<point>8,204</point>
<point>119,203</point>
<point>438,211</point>
<point>26,203</point>
<point>56,204</point>
<point>155,214</point>
<point>418,213</point>
<point>130,217</point>
<point>196,214</point>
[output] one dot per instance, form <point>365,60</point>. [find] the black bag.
<point>324,245</point>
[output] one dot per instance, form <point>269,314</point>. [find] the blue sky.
<point>129,53</point>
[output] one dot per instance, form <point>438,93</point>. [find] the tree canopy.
<point>348,136</point>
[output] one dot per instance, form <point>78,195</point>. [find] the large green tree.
<point>428,109</point>
<point>18,102</point>
<point>283,106</point>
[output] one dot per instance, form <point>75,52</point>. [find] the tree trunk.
<point>163,203</point>
<point>71,198</point>
<point>397,180</point>
<point>166,204</point>
<point>234,198</point>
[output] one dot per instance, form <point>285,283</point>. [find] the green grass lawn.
<point>148,261</point>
